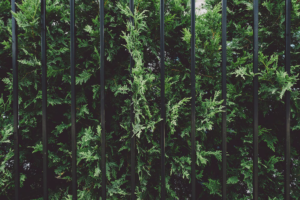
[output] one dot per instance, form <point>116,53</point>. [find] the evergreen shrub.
<point>141,40</point>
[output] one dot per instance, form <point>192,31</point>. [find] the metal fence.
<point>163,114</point>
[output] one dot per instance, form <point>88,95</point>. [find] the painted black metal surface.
<point>73,99</point>
<point>224,93</point>
<point>163,109</point>
<point>15,100</point>
<point>102,83</point>
<point>44,99</point>
<point>255,101</point>
<point>132,148</point>
<point>193,126</point>
<point>287,99</point>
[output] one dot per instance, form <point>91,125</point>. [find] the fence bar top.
<point>163,110</point>
<point>193,129</point>
<point>103,158</point>
<point>132,150</point>
<point>287,99</point>
<point>255,101</point>
<point>44,99</point>
<point>224,92</point>
<point>15,99</point>
<point>73,100</point>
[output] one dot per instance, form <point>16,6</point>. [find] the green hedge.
<point>142,41</point>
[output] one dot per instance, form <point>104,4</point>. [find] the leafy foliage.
<point>139,87</point>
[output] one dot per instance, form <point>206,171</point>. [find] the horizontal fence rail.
<point>162,103</point>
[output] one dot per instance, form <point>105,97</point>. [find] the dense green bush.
<point>142,41</point>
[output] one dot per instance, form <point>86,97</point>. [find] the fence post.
<point>15,99</point>
<point>132,150</point>
<point>163,110</point>
<point>224,93</point>
<point>255,101</point>
<point>287,98</point>
<point>44,99</point>
<point>73,99</point>
<point>193,127</point>
<point>102,83</point>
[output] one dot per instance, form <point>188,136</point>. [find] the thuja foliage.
<point>141,89</point>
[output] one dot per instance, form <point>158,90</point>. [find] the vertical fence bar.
<point>131,5</point>
<point>15,99</point>
<point>73,100</point>
<point>193,126</point>
<point>287,98</point>
<point>103,159</point>
<point>44,99</point>
<point>224,92</point>
<point>163,109</point>
<point>255,101</point>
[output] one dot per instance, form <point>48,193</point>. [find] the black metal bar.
<point>73,100</point>
<point>255,101</point>
<point>163,109</point>
<point>287,98</point>
<point>15,99</point>
<point>44,99</point>
<point>224,93</point>
<point>103,158</point>
<point>193,91</point>
<point>132,150</point>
